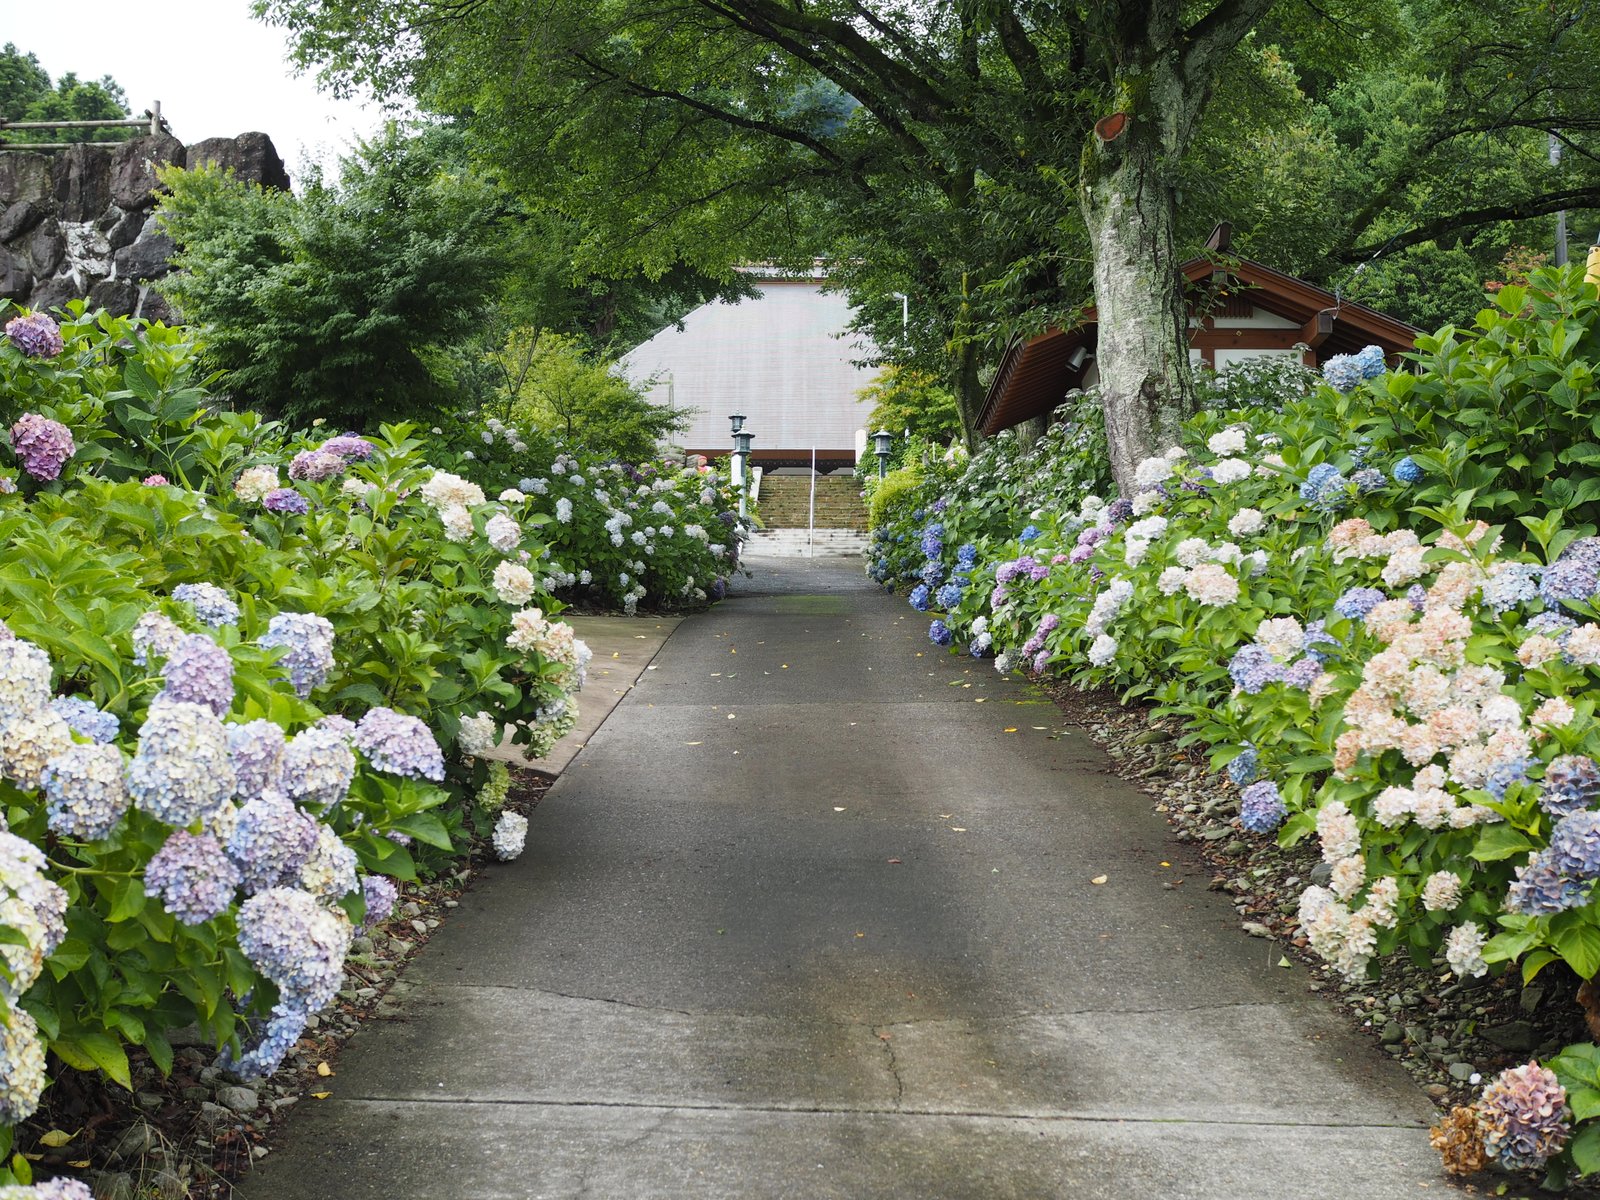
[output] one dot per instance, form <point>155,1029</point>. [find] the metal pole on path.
<point>811,519</point>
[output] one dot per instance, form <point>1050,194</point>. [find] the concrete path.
<point>814,917</point>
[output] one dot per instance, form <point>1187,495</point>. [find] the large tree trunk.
<point>969,392</point>
<point>1145,385</point>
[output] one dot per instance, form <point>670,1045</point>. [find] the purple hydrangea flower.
<point>1417,597</point>
<point>318,766</point>
<point>315,466</point>
<point>84,718</point>
<point>380,893</point>
<point>1523,1117</point>
<point>85,792</point>
<point>212,605</point>
<point>198,671</point>
<point>1575,846</point>
<point>309,640</point>
<point>256,750</point>
<point>41,445</point>
<point>296,943</point>
<point>1575,575</point>
<point>1542,889</point>
<point>340,724</point>
<point>1571,784</point>
<point>287,501</point>
<point>271,841</point>
<point>1302,673</point>
<point>1253,667</point>
<point>193,878</point>
<point>36,335</point>
<point>1317,635</point>
<point>1119,509</point>
<point>155,481</point>
<point>349,446</point>
<point>1261,809</point>
<point>182,772</point>
<point>399,744</point>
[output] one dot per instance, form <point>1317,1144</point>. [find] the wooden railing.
<point>152,121</point>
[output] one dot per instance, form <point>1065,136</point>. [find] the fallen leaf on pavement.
<point>1098,879</point>
<point>320,1095</point>
<point>836,808</point>
<point>894,862</point>
<point>56,1138</point>
<point>324,1069</point>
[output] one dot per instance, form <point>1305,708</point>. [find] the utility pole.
<point>1561,217</point>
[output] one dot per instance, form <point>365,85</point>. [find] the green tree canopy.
<point>332,304</point>
<point>27,94</point>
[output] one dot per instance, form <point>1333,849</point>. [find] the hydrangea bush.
<point>1314,584</point>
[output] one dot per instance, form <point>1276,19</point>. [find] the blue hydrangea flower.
<point>1575,575</point>
<point>1325,488</point>
<point>1369,360</point>
<point>380,893</point>
<point>198,671</point>
<point>1407,471</point>
<point>1302,672</point>
<point>271,841</point>
<point>1571,784</point>
<point>939,633</point>
<point>966,557</point>
<point>1541,889</point>
<point>85,793</point>
<point>212,605</point>
<point>1552,624</point>
<point>193,877</point>
<point>1244,769</point>
<point>318,765</point>
<point>1261,809</point>
<point>920,597</point>
<point>181,772</point>
<point>1357,602</point>
<point>1575,846</point>
<point>84,718</point>
<point>1253,667</point>
<point>1417,596</point>
<point>1317,635</point>
<point>309,642</point>
<point>256,750</point>
<point>266,1052</point>
<point>296,943</point>
<point>399,744</point>
<point>949,596</point>
<point>1514,584</point>
<point>933,540</point>
<point>1505,774</point>
<point>1029,533</point>
<point>932,573</point>
<point>1342,372</point>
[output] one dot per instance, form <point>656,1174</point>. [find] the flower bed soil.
<point>192,1134</point>
<point>1451,1034</point>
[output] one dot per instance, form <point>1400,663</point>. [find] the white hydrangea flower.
<point>1246,522</point>
<point>1338,832</point>
<point>1171,580</point>
<point>457,523</point>
<point>1191,552</point>
<point>478,734</point>
<point>1463,950</point>
<point>1152,471</point>
<point>1442,892</point>
<point>1103,651</point>
<point>504,534</point>
<point>513,583</point>
<point>510,835</point>
<point>1229,470</point>
<point>1147,501</point>
<point>1229,441</point>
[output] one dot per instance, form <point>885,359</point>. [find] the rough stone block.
<point>26,177</point>
<point>148,258</point>
<point>251,157</point>
<point>133,168</point>
<point>82,182</point>
<point>20,217</point>
<point>51,293</point>
<point>16,274</point>
<point>119,297</point>
<point>47,247</point>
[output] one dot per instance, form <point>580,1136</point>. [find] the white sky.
<point>216,72</point>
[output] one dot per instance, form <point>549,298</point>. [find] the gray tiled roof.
<point>778,358</point>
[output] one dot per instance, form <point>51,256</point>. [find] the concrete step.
<point>794,543</point>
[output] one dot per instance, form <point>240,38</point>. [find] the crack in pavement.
<point>1309,1004</point>
<point>894,1067</point>
<point>868,1111</point>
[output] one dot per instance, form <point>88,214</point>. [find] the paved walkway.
<point>813,917</point>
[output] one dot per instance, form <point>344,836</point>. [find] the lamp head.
<point>737,421</point>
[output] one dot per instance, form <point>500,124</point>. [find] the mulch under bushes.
<point>1444,1030</point>
<point>192,1134</point>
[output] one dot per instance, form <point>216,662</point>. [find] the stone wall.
<point>78,223</point>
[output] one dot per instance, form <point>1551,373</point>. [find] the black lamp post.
<point>737,421</point>
<point>741,459</point>
<point>881,442</point>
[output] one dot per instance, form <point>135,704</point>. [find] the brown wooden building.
<point>1238,310</point>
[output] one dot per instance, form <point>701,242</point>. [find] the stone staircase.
<point>804,543</point>
<point>785,503</point>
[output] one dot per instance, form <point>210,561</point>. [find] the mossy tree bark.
<point>1162,75</point>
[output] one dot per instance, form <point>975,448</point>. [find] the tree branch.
<point>1532,206</point>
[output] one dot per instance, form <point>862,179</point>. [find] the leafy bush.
<point>1315,587</point>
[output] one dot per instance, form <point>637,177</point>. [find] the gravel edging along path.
<point>191,1135</point>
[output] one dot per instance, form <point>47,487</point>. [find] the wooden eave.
<point>1035,374</point>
